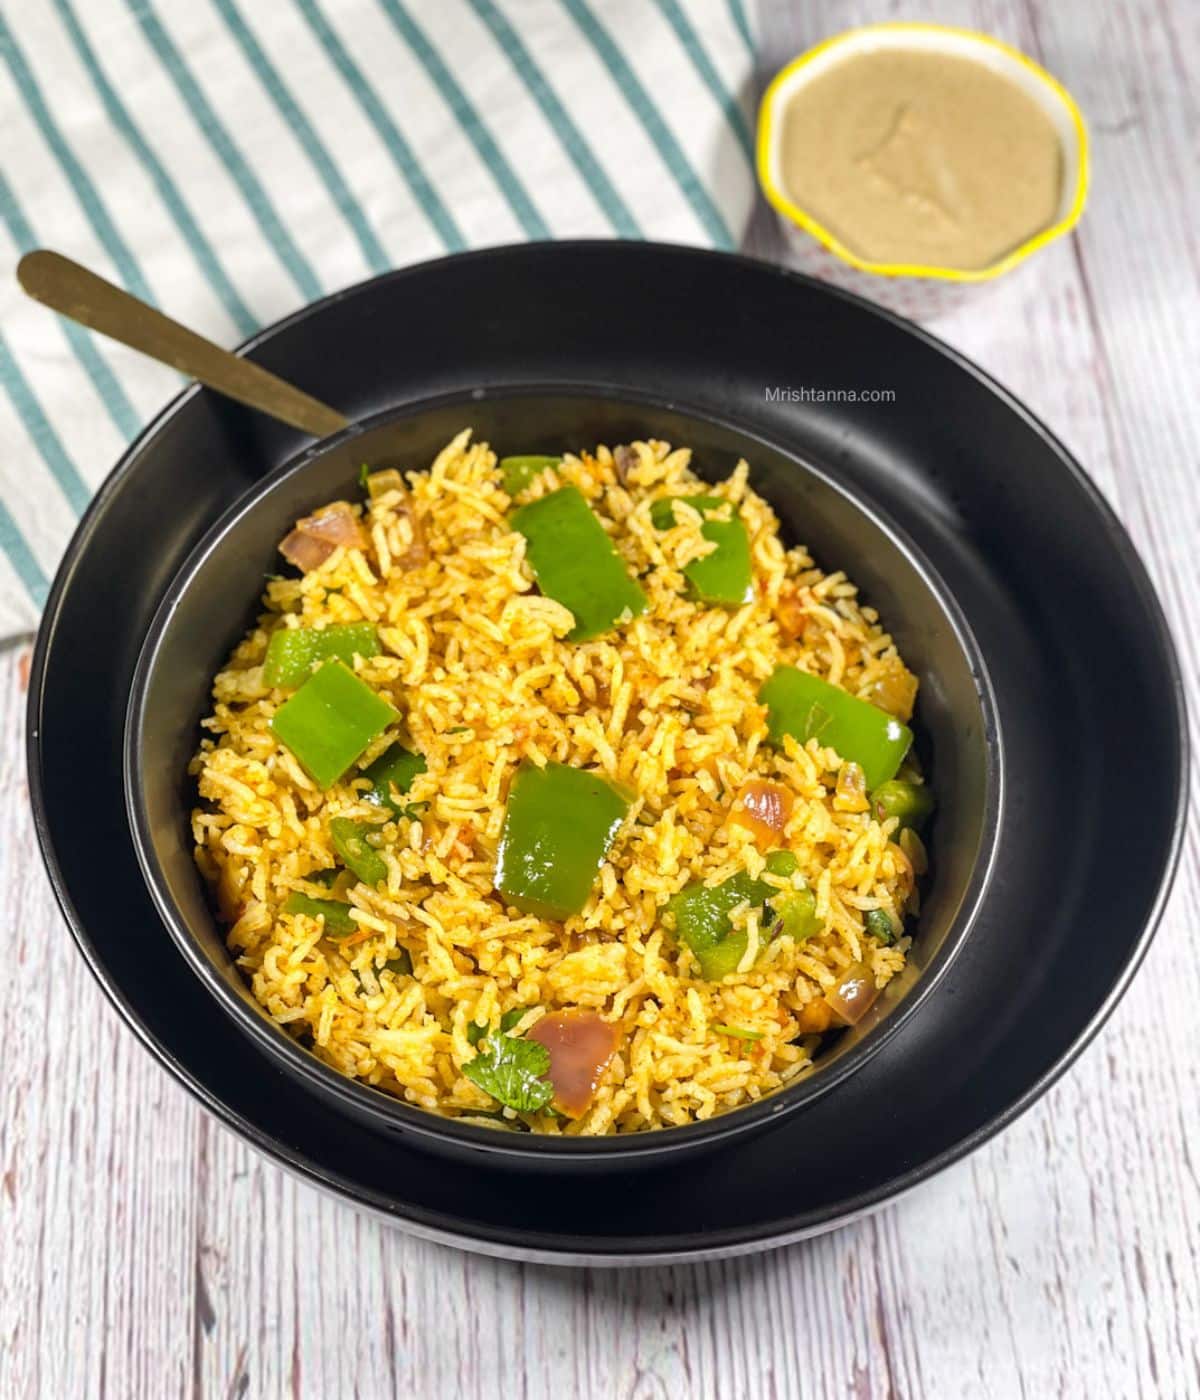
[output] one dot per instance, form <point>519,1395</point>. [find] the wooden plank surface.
<point>146,1252</point>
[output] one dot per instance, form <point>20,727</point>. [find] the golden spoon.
<point>73,291</point>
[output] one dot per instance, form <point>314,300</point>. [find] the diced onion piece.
<point>581,1047</point>
<point>315,537</point>
<point>854,994</point>
<point>850,794</point>
<point>914,848</point>
<point>814,1018</point>
<point>763,808</point>
<point>379,483</point>
<point>894,689</point>
<point>624,461</point>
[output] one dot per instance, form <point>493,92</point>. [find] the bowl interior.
<point>215,598</point>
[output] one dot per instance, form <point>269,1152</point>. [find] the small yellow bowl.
<point>916,290</point>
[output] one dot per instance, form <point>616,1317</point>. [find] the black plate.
<point>1087,687</point>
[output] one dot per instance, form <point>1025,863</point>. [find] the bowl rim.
<point>788,208</point>
<point>392,1114</point>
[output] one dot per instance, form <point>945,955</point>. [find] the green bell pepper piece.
<point>330,720</point>
<point>333,911</point>
<point>796,911</point>
<point>292,651</point>
<point>392,773</point>
<point>558,827</point>
<point>576,563</point>
<point>702,922</point>
<point>912,803</point>
<point>809,708</point>
<point>782,863</point>
<point>725,576</point>
<point>289,656</point>
<point>518,472</point>
<point>360,858</point>
<point>702,915</point>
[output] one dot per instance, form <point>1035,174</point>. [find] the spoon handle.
<point>82,296</point>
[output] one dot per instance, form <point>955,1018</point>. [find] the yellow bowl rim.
<point>785,206</point>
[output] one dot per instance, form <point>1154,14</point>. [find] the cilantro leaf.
<point>879,925</point>
<point>512,1071</point>
<point>476,1032</point>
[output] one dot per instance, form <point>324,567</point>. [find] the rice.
<point>664,706</point>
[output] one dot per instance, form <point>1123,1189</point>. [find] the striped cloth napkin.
<point>231,161</point>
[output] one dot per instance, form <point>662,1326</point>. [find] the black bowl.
<point>1086,684</point>
<point>215,598</point>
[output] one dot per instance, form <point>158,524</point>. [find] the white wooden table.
<point>144,1252</point>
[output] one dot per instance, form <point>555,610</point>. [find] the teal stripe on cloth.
<point>113,396</point>
<point>85,192</point>
<point>377,114</point>
<point>742,25</point>
<point>20,556</point>
<point>509,184</point>
<point>289,109</point>
<point>37,425</point>
<point>572,139</point>
<point>651,119</point>
<point>256,197</point>
<point>189,229</point>
<point>687,36</point>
